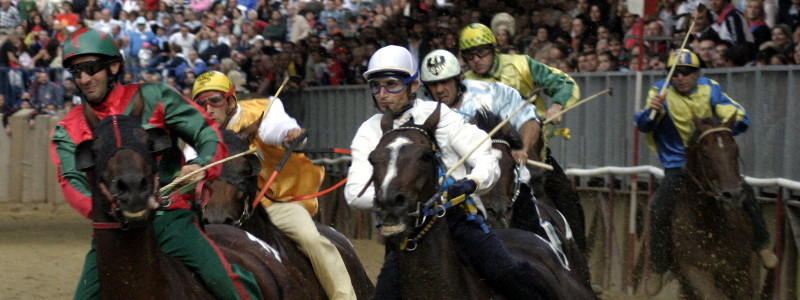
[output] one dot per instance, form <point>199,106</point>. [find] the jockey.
<point>392,77</point>
<point>688,95</point>
<point>96,67</point>
<point>478,47</point>
<point>479,50</point>
<point>214,92</point>
<point>441,75</point>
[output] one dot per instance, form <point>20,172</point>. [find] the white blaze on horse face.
<point>719,142</point>
<point>391,171</point>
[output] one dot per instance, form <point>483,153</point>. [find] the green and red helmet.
<point>89,41</point>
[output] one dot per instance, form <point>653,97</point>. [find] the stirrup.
<point>654,283</point>
<point>768,258</point>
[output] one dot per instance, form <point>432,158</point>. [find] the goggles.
<point>90,67</point>
<point>685,71</point>
<point>390,84</point>
<point>480,52</point>
<point>216,100</point>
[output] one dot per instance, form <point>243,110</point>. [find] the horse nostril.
<point>399,199</point>
<point>727,195</point>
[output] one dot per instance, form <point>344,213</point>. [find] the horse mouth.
<point>390,230</point>
<point>135,215</point>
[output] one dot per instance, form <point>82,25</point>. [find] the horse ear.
<point>158,141</point>
<point>90,116</point>
<point>249,132</point>
<point>731,121</point>
<point>254,163</point>
<point>387,122</point>
<point>84,156</point>
<point>433,120</point>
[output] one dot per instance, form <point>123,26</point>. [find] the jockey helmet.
<point>213,81</point>
<point>684,58</point>
<point>392,61</point>
<point>89,41</point>
<point>439,65</point>
<point>474,35</point>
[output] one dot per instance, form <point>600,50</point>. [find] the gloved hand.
<point>463,186</point>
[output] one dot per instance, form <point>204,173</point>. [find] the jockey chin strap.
<point>707,188</point>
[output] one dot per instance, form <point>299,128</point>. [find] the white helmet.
<point>391,59</point>
<point>439,65</point>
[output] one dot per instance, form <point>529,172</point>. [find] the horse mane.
<point>488,120</point>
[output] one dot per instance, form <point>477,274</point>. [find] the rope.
<point>169,187</point>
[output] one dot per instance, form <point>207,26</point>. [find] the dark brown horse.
<point>121,161</point>
<point>412,226</point>
<point>711,231</point>
<point>512,203</point>
<point>231,204</point>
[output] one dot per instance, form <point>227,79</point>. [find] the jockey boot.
<point>654,282</point>
<point>768,258</point>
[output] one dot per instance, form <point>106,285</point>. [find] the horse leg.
<point>700,283</point>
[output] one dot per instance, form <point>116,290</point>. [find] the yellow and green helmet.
<point>474,35</point>
<point>89,41</point>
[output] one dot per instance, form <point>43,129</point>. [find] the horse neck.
<point>433,267</point>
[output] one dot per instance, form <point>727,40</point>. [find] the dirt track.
<point>42,248</point>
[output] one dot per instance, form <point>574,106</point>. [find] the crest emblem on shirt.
<point>435,64</point>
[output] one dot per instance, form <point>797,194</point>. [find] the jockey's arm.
<point>360,171</point>
<point>277,126</point>
<point>462,137</point>
<point>530,136</point>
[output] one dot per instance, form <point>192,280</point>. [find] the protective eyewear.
<point>480,53</point>
<point>683,71</point>
<point>391,85</point>
<point>215,100</point>
<point>90,67</point>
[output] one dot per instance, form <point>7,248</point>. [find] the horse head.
<point>404,166</point>
<point>500,198</point>
<point>237,186</point>
<point>713,161</point>
<point>121,159</point>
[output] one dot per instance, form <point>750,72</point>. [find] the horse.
<point>121,161</point>
<point>711,231</point>
<point>512,204</point>
<point>231,204</point>
<point>428,259</point>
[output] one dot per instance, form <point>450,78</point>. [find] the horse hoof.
<point>653,284</point>
<point>768,258</point>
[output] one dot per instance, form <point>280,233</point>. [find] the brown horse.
<point>122,164</point>
<point>231,204</point>
<point>412,225</point>
<point>711,231</point>
<point>511,203</point>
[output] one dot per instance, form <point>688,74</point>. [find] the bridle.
<point>705,186</point>
<point>427,213</point>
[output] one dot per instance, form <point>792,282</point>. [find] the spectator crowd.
<point>258,43</point>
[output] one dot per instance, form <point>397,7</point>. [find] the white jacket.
<point>454,136</point>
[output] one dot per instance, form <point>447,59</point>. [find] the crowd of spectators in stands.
<point>258,43</point>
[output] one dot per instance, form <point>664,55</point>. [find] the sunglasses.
<point>216,100</point>
<point>392,85</point>
<point>90,67</point>
<point>683,71</point>
<point>480,53</point>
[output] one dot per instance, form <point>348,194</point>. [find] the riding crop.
<point>576,104</point>
<point>297,141</point>
<point>700,7</point>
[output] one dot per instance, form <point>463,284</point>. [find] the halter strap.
<point>712,130</point>
<point>502,142</point>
